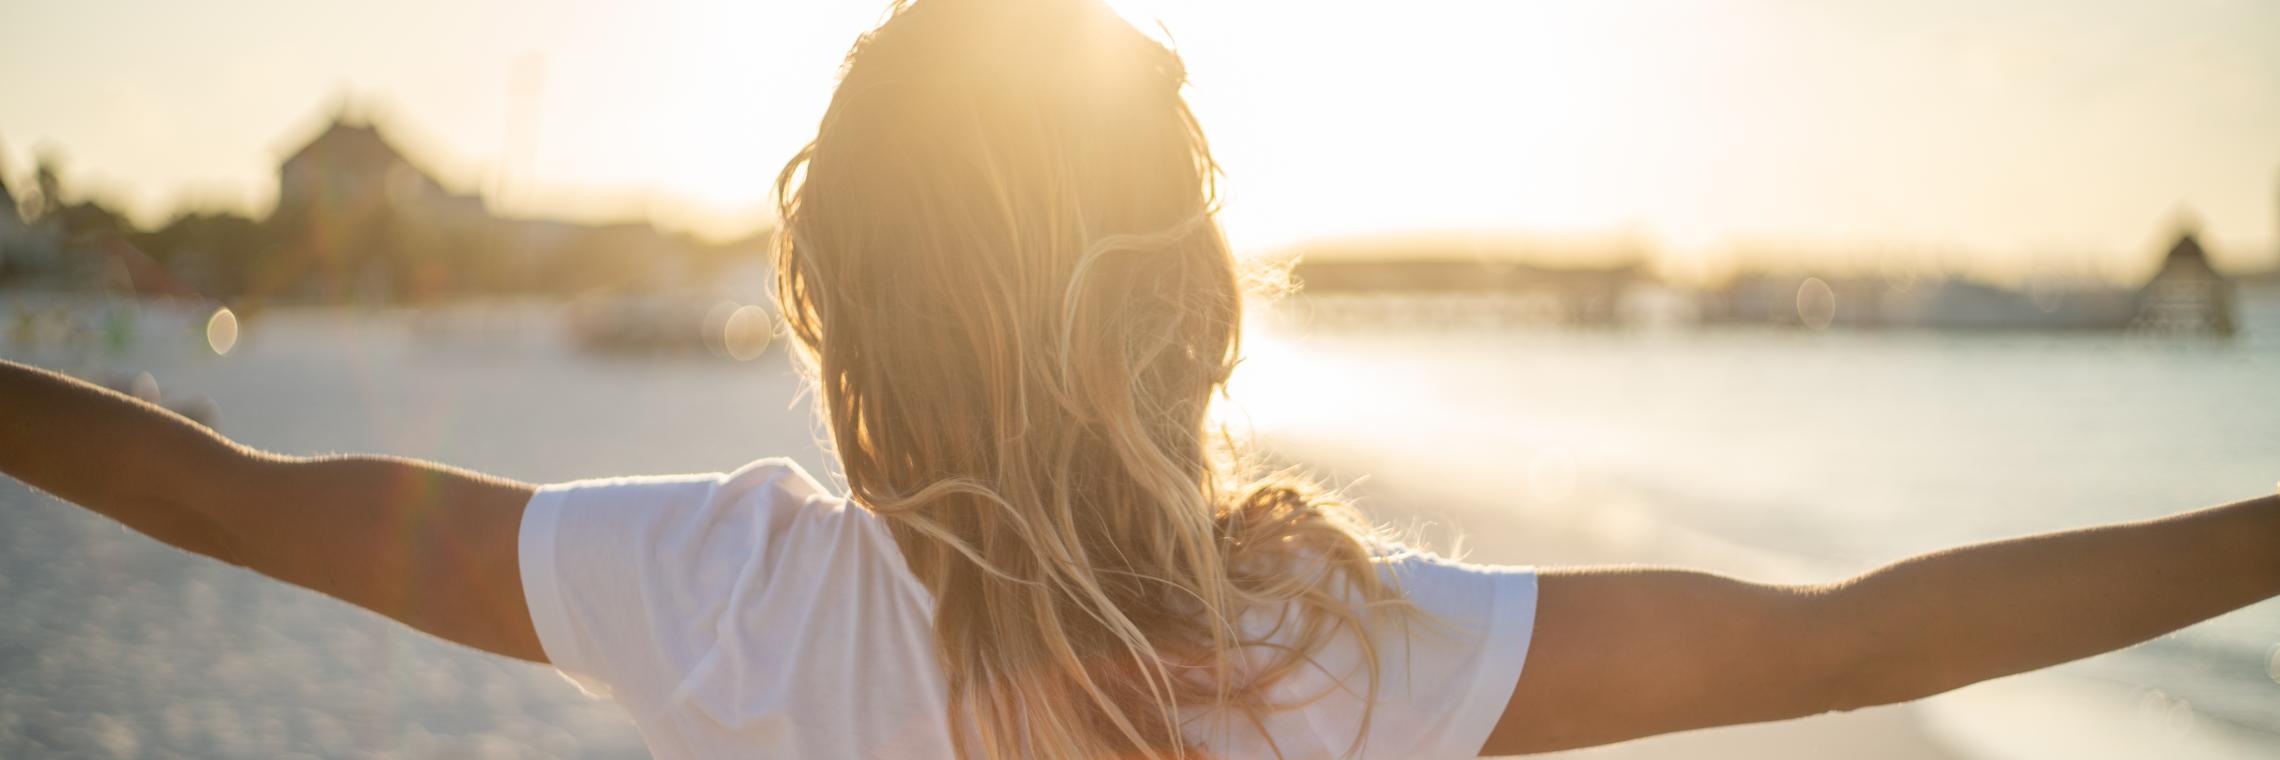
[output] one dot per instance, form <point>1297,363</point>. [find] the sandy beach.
<point>114,646</point>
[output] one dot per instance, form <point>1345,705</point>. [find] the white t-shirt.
<point>755,614</point>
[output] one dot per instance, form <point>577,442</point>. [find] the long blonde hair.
<point>1000,261</point>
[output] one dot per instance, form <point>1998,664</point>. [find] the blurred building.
<point>359,219</point>
<point>2187,293</point>
<point>356,218</point>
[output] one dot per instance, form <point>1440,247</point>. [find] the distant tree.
<point>91,219</point>
<point>11,227</point>
<point>220,253</point>
<point>49,183</point>
<point>10,217</point>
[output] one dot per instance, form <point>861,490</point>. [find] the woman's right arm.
<point>1627,653</point>
<point>431,546</point>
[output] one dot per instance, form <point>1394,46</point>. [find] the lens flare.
<point>144,387</point>
<point>746,334</point>
<point>716,327</point>
<point>1816,303</point>
<point>2165,715</point>
<point>222,331</point>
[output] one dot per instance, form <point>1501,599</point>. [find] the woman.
<point>1001,267</point>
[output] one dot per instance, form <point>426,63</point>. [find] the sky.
<point>2028,135</point>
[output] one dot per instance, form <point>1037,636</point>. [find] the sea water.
<point>1839,449</point>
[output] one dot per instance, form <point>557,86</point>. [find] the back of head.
<point>1000,261</point>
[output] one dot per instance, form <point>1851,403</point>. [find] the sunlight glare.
<point>1552,476</point>
<point>1299,398</point>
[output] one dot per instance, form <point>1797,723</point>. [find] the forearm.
<point>129,460</point>
<point>1948,619</point>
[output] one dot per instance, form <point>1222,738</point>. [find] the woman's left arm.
<point>431,546</point>
<point>1622,653</point>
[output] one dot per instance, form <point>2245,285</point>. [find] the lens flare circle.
<point>1816,303</point>
<point>747,333</point>
<point>222,331</point>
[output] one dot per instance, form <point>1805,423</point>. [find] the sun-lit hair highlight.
<point>1002,268</point>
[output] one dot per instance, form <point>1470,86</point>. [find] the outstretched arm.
<point>1625,653</point>
<point>431,546</point>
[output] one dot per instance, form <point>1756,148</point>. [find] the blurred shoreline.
<point>1483,455</point>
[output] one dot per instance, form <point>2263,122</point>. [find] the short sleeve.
<point>1446,675</point>
<point>625,577</point>
<point>1461,672</point>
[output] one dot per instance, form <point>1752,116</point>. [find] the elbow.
<point>208,506</point>
<point>1862,659</point>
<point>171,521</point>
<point>195,527</point>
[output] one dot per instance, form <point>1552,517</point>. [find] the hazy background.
<point>1780,289</point>
<point>2012,132</point>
